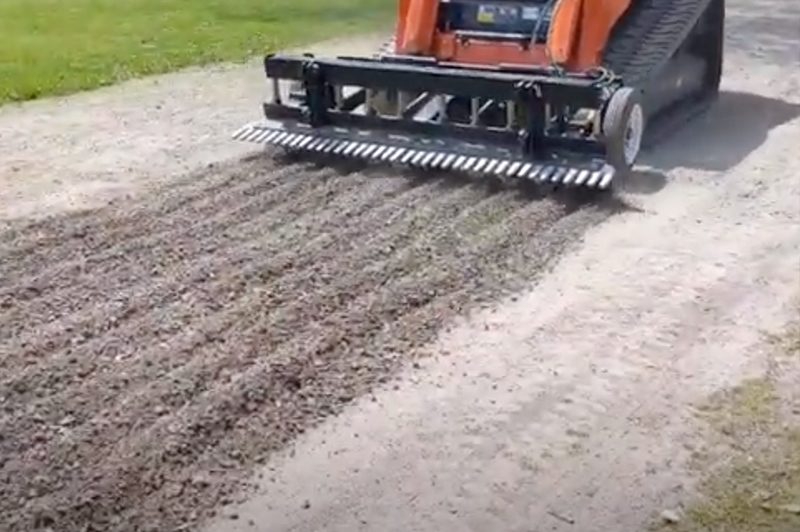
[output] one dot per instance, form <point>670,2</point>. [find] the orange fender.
<point>580,30</point>
<point>416,26</point>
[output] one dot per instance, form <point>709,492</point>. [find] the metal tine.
<point>501,167</point>
<point>344,146</point>
<point>319,144</point>
<point>291,139</point>
<point>289,143</point>
<point>459,162</point>
<point>607,179</point>
<point>582,176</point>
<point>481,164</point>
<point>362,147</point>
<point>296,142</point>
<point>312,142</point>
<point>312,145</point>
<point>246,132</point>
<point>438,160</point>
<point>537,171</point>
<point>282,135</point>
<point>490,167</point>
<point>377,153</point>
<point>304,145</point>
<point>448,161</point>
<point>351,150</point>
<point>388,153</point>
<point>240,133</point>
<point>340,147</point>
<point>262,135</point>
<point>277,140</point>
<point>287,140</point>
<point>570,177</point>
<point>468,165</point>
<point>251,135</point>
<point>595,179</point>
<point>333,146</point>
<point>427,161</point>
<point>559,174</point>
<point>512,170</point>
<point>408,156</point>
<point>370,148</point>
<point>322,146</point>
<point>398,154</point>
<point>418,158</point>
<point>523,172</point>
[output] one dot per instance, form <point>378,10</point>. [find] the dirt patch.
<point>153,351</point>
<point>753,453</point>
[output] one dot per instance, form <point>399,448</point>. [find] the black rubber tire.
<point>716,46</point>
<point>618,123</point>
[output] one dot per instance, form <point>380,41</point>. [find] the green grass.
<point>50,47</point>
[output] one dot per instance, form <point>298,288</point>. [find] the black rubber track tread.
<point>648,36</point>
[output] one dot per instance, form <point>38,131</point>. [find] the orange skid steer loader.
<point>557,92</point>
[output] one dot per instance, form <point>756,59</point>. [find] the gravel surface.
<point>154,350</point>
<point>164,330</point>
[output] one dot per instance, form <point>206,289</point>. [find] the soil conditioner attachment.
<point>555,92</point>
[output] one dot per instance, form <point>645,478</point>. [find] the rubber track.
<point>650,35</point>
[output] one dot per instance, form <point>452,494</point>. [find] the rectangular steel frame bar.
<point>531,89</point>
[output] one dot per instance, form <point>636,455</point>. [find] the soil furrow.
<point>183,236</point>
<point>313,375</point>
<point>158,347</point>
<point>73,366</point>
<point>214,290</point>
<point>278,297</point>
<point>192,258</point>
<point>203,192</point>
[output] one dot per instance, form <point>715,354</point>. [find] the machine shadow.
<point>722,136</point>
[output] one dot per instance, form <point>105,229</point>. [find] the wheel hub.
<point>633,134</point>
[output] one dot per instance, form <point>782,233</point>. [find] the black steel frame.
<point>530,88</point>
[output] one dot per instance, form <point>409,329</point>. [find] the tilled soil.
<point>152,352</point>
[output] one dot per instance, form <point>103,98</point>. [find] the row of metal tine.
<point>430,158</point>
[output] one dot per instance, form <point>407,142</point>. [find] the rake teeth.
<point>592,174</point>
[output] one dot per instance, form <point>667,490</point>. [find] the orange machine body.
<point>578,33</point>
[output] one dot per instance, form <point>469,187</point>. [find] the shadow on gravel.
<point>723,136</point>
